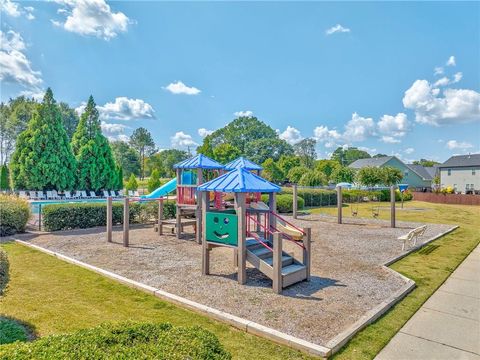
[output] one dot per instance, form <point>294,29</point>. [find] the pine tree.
<point>4,178</point>
<point>119,178</point>
<point>132,183</point>
<point>154,181</point>
<point>95,165</point>
<point>43,158</point>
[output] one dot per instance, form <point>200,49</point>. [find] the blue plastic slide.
<point>162,190</point>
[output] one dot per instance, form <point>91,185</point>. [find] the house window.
<point>405,173</point>
<point>473,171</point>
<point>449,172</point>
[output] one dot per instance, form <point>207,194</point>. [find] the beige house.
<point>462,173</point>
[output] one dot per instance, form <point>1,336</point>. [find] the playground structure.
<point>253,230</point>
<point>191,174</point>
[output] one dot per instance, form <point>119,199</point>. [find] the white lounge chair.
<point>120,193</point>
<point>23,195</point>
<point>68,195</point>
<point>113,194</point>
<point>41,195</point>
<point>93,195</point>
<point>130,193</point>
<point>84,194</point>
<point>77,195</point>
<point>49,195</point>
<point>136,194</point>
<point>55,194</point>
<point>105,194</point>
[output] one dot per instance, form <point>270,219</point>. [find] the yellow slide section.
<point>287,229</point>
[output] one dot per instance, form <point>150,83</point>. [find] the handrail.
<point>287,222</point>
<point>285,235</point>
<point>255,236</point>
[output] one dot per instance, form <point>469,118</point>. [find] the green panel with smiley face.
<point>222,227</point>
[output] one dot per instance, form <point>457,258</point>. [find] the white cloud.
<point>457,77</point>
<point>371,151</point>
<point>337,29</point>
<point>409,150</point>
<point>358,128</point>
<point>329,138</point>
<point>15,67</point>
<point>109,128</point>
<point>291,135</point>
<point>456,105</point>
<point>245,113</point>
<point>119,137</point>
<point>451,61</point>
<point>393,126</point>
<point>13,9</point>
<point>442,82</point>
<point>460,145</point>
<point>182,140</point>
<point>180,88</point>
<point>389,139</point>
<point>204,132</point>
<point>92,18</point>
<point>438,70</point>
<point>124,108</point>
<point>36,93</point>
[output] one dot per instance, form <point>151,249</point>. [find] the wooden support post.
<point>160,217</point>
<point>235,258</point>
<point>277,263</point>
<point>198,210</point>
<point>392,206</point>
<point>242,240</point>
<point>179,209</point>
<point>339,204</point>
<point>307,252</point>
<point>272,204</point>
<point>109,219</point>
<point>126,221</point>
<point>295,201</point>
<point>205,248</point>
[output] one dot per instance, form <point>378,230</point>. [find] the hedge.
<point>14,214</point>
<point>122,341</point>
<point>323,197</point>
<point>285,202</point>
<point>4,271</point>
<point>314,197</point>
<point>85,215</point>
<point>11,331</point>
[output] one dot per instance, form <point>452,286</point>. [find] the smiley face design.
<point>222,227</point>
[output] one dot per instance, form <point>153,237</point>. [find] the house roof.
<point>462,161</point>
<point>432,170</point>
<point>421,171</point>
<point>241,162</point>
<point>199,161</point>
<point>375,162</point>
<point>239,181</point>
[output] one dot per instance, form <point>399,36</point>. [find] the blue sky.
<point>394,78</point>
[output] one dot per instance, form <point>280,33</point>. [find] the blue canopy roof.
<point>241,162</point>
<point>239,181</point>
<point>199,161</point>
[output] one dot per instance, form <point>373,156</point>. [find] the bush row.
<point>85,215</point>
<point>14,214</point>
<point>285,202</point>
<point>11,330</point>
<point>4,268</point>
<point>323,197</point>
<point>122,341</point>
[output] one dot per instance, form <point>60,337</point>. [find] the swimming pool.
<point>37,204</point>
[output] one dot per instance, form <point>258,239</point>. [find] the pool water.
<point>36,205</point>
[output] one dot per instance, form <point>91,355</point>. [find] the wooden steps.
<point>261,258</point>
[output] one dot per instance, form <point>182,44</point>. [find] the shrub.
<point>122,341</point>
<point>132,183</point>
<point>285,202</point>
<point>11,331</point>
<point>4,269</point>
<point>313,178</point>
<point>315,197</point>
<point>85,215</point>
<point>14,214</point>
<point>4,184</point>
<point>154,181</point>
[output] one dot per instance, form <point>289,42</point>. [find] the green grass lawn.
<point>56,297</point>
<point>429,267</point>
